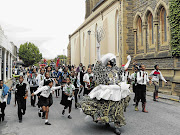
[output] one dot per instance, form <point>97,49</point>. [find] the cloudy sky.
<point>46,23</point>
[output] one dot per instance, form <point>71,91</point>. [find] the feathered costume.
<point>109,99</point>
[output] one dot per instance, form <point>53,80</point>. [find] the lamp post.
<point>89,33</point>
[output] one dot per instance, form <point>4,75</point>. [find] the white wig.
<point>107,57</point>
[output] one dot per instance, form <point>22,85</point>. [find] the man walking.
<point>155,75</point>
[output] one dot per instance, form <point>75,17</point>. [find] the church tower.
<point>90,4</point>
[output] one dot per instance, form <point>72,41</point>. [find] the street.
<point>163,119</point>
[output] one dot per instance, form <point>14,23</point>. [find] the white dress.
<point>111,92</point>
<point>114,91</point>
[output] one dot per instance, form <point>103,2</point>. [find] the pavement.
<point>165,96</point>
<point>163,119</point>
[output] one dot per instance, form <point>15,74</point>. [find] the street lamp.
<point>89,33</point>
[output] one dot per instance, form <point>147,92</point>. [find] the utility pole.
<point>89,33</point>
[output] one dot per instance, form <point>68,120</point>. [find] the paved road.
<point>163,119</point>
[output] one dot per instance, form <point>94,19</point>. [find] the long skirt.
<point>106,111</point>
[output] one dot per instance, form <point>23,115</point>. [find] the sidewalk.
<point>164,96</point>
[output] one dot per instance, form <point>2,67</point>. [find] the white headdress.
<point>108,57</point>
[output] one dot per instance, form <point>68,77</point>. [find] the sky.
<point>46,23</point>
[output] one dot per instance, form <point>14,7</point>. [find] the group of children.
<point>140,79</point>
<point>72,83</point>
<point>43,85</point>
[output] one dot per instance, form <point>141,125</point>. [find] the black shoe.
<point>69,117</point>
<point>20,121</point>
<point>117,131</point>
<point>107,125</point>
<point>63,112</point>
<point>155,100</point>
<point>47,123</point>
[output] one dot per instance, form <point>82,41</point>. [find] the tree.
<point>63,59</point>
<point>174,20</point>
<point>29,53</point>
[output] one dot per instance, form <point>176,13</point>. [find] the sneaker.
<point>47,123</point>
<point>136,108</point>
<point>20,121</point>
<point>63,112</point>
<point>69,117</point>
<point>155,100</point>
<point>43,117</point>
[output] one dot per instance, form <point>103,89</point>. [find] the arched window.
<point>163,25</point>
<point>139,32</point>
<point>150,29</point>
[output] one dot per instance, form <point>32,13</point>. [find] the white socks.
<point>46,120</point>
<point>69,114</point>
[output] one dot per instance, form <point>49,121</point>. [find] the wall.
<point>106,20</point>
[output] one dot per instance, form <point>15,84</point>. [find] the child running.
<point>45,98</point>
<point>67,97</point>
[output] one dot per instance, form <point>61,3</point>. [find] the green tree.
<point>29,53</point>
<point>174,19</point>
<point>62,58</point>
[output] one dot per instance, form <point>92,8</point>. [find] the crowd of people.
<point>70,82</point>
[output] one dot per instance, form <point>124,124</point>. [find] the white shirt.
<point>156,75</point>
<point>41,84</point>
<point>68,89</point>
<point>86,78</point>
<point>142,77</point>
<point>40,78</point>
<point>60,70</point>
<point>125,76</point>
<point>46,90</point>
<point>132,76</point>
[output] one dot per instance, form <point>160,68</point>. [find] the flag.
<point>57,63</point>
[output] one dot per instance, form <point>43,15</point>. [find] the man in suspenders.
<point>142,80</point>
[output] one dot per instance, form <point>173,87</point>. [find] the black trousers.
<point>135,92</point>
<point>2,107</point>
<point>57,91</point>
<point>21,107</point>
<point>76,96</point>
<point>141,93</point>
<point>33,99</point>
<point>85,91</point>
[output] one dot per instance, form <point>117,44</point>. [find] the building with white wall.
<point>8,54</point>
